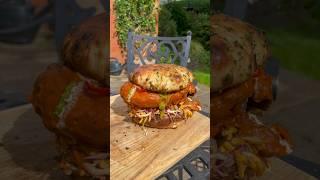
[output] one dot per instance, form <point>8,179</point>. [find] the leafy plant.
<point>202,6</point>
<point>164,60</point>
<point>138,16</point>
<point>168,59</point>
<point>198,23</point>
<point>167,26</point>
<point>313,7</point>
<point>200,62</point>
<point>199,56</point>
<point>180,16</point>
<point>201,28</point>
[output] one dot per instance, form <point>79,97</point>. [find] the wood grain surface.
<point>135,155</point>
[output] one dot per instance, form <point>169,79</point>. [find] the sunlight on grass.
<point>202,77</point>
<point>296,52</point>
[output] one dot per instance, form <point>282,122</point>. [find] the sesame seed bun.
<point>162,78</point>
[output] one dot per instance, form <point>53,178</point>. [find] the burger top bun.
<point>162,78</point>
<point>85,48</point>
<point>238,49</point>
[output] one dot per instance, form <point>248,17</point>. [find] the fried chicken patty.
<point>137,96</point>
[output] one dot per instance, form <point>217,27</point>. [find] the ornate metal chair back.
<point>143,49</point>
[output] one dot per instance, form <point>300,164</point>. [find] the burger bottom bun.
<point>164,123</point>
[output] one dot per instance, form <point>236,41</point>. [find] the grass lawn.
<point>296,51</point>
<point>202,75</point>
<point>299,52</point>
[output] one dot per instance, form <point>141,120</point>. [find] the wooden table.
<point>27,150</point>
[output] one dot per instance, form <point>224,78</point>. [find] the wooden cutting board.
<point>135,155</point>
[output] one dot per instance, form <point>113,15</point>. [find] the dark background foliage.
<point>292,27</point>
<point>178,17</point>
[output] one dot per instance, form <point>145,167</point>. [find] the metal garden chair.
<point>143,49</point>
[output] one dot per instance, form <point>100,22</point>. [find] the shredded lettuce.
<point>172,112</point>
<point>63,99</point>
<point>132,91</point>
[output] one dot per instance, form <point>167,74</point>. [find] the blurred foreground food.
<point>241,90</point>
<point>71,100</point>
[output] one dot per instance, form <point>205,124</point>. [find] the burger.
<point>158,95</point>
<point>71,97</point>
<point>242,144</point>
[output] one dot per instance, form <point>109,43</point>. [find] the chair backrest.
<point>143,49</point>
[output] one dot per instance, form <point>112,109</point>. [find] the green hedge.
<point>175,20</point>
<point>199,56</point>
<point>202,6</point>
<point>167,26</point>
<point>134,15</point>
<point>180,16</point>
<point>201,28</point>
